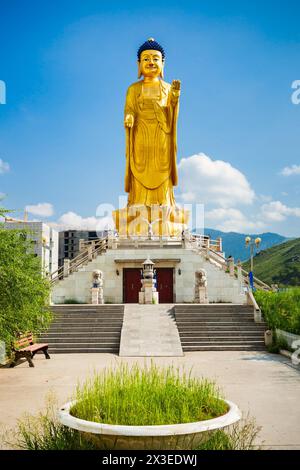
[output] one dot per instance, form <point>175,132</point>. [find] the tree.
<point>3,211</point>
<point>24,293</point>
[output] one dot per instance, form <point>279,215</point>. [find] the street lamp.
<point>251,244</point>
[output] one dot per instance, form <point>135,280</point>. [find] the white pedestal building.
<point>177,264</point>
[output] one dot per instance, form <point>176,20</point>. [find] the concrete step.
<point>88,316</point>
<point>79,350</point>
<point>79,341</point>
<point>88,307</point>
<point>88,321</point>
<point>217,341</point>
<point>224,348</point>
<point>85,345</point>
<point>226,334</point>
<point>203,316</point>
<point>218,308</point>
<point>66,333</point>
<point>214,323</point>
<point>87,312</point>
<point>210,310</point>
<point>218,332</point>
<point>80,334</point>
<point>104,331</point>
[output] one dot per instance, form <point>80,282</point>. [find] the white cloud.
<point>232,220</point>
<point>2,196</point>
<point>72,221</point>
<point>204,180</point>
<point>42,209</point>
<point>265,198</point>
<point>291,170</point>
<point>4,166</point>
<point>276,211</point>
<point>221,214</point>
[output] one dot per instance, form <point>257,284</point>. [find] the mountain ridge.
<point>234,242</point>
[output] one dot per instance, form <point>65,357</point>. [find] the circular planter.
<point>164,437</point>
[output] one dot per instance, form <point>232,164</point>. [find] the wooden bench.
<point>24,346</point>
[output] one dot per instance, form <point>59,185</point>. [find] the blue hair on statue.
<point>151,45</point>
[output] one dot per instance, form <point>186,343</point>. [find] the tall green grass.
<point>240,436</point>
<point>147,396</point>
<point>281,309</point>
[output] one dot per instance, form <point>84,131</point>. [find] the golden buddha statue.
<point>151,112</point>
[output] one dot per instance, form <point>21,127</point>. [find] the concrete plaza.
<point>263,385</point>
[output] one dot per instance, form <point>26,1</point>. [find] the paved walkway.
<point>264,385</point>
<point>150,330</point>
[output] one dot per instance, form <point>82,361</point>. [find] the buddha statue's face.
<point>151,64</point>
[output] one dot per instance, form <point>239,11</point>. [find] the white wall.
<point>221,287</point>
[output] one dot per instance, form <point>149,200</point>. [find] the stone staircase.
<point>219,327</point>
<point>85,329</point>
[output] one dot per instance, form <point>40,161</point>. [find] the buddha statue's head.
<point>151,57</point>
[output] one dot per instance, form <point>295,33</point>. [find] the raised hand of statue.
<point>176,84</point>
<point>129,120</point>
<point>175,88</point>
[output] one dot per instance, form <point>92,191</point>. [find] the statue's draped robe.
<point>151,146</point>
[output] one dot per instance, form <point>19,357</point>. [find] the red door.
<point>165,285</point>
<point>131,285</point>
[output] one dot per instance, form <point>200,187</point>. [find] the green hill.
<point>279,264</point>
<point>234,243</point>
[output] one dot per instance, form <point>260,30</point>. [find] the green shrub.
<point>147,396</point>
<point>281,309</point>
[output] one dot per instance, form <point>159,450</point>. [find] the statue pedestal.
<point>148,297</point>
<point>148,293</point>
<point>97,295</point>
<point>203,297</point>
<point>185,263</point>
<point>154,221</point>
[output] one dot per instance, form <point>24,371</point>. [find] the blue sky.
<point>67,64</point>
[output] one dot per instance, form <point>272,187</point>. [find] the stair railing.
<point>218,259</point>
<point>91,252</point>
<point>205,241</point>
<point>257,282</point>
<point>256,309</point>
